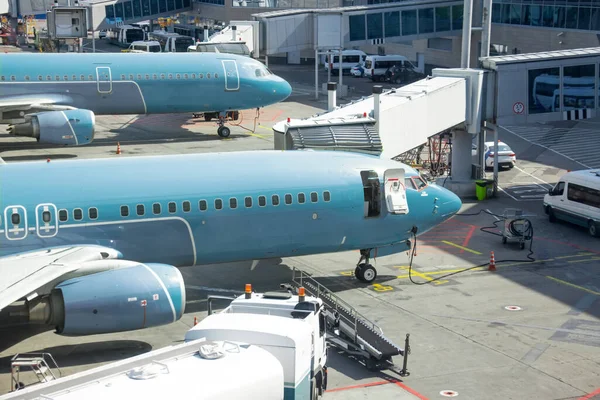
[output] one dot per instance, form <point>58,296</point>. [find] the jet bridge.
<point>386,123</point>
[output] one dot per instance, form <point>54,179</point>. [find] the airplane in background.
<point>55,97</point>
<point>91,246</point>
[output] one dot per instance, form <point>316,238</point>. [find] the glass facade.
<point>559,14</point>
<point>578,88</point>
<point>143,8</point>
<point>405,23</point>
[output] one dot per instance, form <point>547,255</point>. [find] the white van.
<point>144,46</point>
<point>576,199</point>
<point>376,66</point>
<point>350,59</point>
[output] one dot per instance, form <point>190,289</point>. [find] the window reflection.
<point>578,87</point>
<point>544,86</point>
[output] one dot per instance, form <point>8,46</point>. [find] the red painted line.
<point>381,383</point>
<point>469,235</point>
<point>411,391</point>
<point>589,396</point>
<point>364,385</point>
<point>570,245</point>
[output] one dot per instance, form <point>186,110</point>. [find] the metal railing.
<point>33,361</point>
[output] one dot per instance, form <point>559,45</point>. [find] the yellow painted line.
<point>573,285</point>
<point>264,127</point>
<point>461,247</point>
<point>586,260</point>
<point>424,275</point>
<point>574,256</point>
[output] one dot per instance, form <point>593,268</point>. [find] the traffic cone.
<point>492,266</point>
<point>195,321</point>
<point>118,148</point>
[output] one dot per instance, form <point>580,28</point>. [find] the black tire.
<point>314,391</point>
<point>593,229</point>
<point>224,131</point>
<point>551,216</point>
<point>358,274</point>
<point>368,273</point>
<point>207,117</point>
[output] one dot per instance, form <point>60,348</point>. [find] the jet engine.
<point>67,127</point>
<point>114,300</point>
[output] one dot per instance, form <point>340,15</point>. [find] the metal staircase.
<point>38,365</point>
<point>352,332</point>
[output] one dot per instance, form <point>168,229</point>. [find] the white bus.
<point>574,98</point>
<point>239,48</point>
<point>545,86</point>
<point>171,42</point>
<point>350,59</point>
<point>124,35</point>
<point>377,66</point>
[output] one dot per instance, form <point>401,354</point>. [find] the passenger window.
<point>63,215</point>
<point>262,201</point>
<point>301,198</point>
<point>193,76</point>
<point>122,77</point>
<point>202,205</point>
<point>140,209</point>
<point>172,207</point>
<point>91,77</point>
<point>200,76</point>
<point>77,214</point>
<point>124,211</point>
<point>139,77</point>
<point>162,76</point>
<point>208,76</point>
<point>93,213</point>
<point>48,78</point>
<point>66,77</point>
<point>288,199</point>
<point>248,201</point>
<point>130,77</point>
<point>185,76</point>
<point>187,206</point>
<point>218,204</point>
<point>275,200</point>
<point>156,209</point>
<point>147,76</point>
<point>233,202</point>
<point>178,76</point>
<point>154,76</point>
<point>314,197</point>
<point>46,216</point>
<point>2,78</point>
<point>27,77</point>
<point>216,76</point>
<point>15,219</point>
<point>40,78</point>
<point>170,76</point>
<point>326,196</point>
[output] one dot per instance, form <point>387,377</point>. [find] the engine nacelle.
<point>124,299</point>
<point>68,127</point>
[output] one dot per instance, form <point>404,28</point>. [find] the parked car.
<point>506,157</point>
<point>358,71</point>
<point>102,34</point>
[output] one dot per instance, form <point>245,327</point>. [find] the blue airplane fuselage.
<point>209,208</point>
<point>138,83</point>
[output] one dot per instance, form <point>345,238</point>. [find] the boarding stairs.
<point>351,332</point>
<point>38,364</point>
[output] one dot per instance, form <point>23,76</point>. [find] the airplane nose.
<point>282,90</point>
<point>451,204</point>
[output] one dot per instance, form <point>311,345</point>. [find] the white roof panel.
<point>493,62</point>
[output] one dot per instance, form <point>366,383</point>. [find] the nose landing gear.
<point>364,271</point>
<point>222,130</point>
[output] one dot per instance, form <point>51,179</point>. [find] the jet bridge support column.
<point>331,89</point>
<point>461,155</point>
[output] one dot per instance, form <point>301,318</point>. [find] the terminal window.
<point>544,90</point>
<point>579,84</point>
<point>559,16</point>
<point>426,20</point>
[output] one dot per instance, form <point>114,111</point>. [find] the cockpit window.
<point>263,71</point>
<point>419,182</point>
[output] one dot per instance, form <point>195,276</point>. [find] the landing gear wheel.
<point>224,131</point>
<point>366,273</point>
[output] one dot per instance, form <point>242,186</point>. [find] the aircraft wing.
<point>34,102</point>
<point>22,274</point>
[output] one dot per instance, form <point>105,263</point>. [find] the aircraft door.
<point>395,191</point>
<point>104,79</point>
<point>15,222</point>
<point>232,77</point>
<point>46,220</point>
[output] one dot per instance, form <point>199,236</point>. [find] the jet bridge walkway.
<point>352,332</point>
<point>386,123</point>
